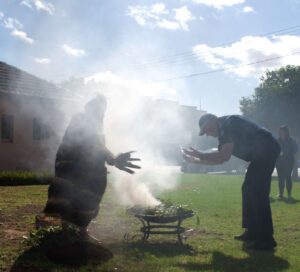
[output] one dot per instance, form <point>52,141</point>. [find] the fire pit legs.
<point>179,231</point>
<point>161,224</point>
<point>144,229</point>
<point>160,228</point>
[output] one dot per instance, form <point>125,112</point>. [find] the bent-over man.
<point>246,140</point>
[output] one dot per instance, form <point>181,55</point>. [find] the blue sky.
<point>142,44</point>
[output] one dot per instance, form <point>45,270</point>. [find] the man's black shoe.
<point>261,245</point>
<point>245,237</point>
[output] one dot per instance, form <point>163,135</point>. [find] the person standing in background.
<point>285,161</point>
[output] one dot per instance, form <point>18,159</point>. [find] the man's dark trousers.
<point>257,216</point>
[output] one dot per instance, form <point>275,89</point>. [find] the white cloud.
<point>158,16</point>
<point>248,9</point>
<point>251,49</point>
<point>168,25</point>
<point>75,52</point>
<point>21,35</point>
<point>42,60</point>
<point>39,5</point>
<point>159,8</point>
<point>219,4</point>
<point>182,16</point>
<point>15,29</point>
<point>12,23</point>
<point>133,86</point>
<point>1,15</point>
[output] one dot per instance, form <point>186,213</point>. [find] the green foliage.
<point>276,101</point>
<point>11,178</point>
<point>167,208</point>
<point>37,236</point>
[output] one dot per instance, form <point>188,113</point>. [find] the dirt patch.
<point>108,232</point>
<point>13,234</point>
<point>13,217</point>
<point>13,224</point>
<point>28,209</point>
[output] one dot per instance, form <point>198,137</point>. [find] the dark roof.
<point>18,82</point>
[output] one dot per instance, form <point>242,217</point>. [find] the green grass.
<point>216,199</point>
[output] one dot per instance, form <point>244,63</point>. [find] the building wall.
<point>23,152</point>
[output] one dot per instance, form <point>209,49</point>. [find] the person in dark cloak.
<point>285,161</point>
<point>246,140</point>
<point>80,172</point>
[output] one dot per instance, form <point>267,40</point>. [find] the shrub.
<point>14,178</point>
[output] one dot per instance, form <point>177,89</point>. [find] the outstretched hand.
<point>191,155</point>
<point>123,162</point>
<point>191,152</point>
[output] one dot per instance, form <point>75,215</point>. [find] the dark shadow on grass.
<point>159,249</point>
<point>60,249</point>
<point>32,260</point>
<point>256,261</point>
<point>291,200</point>
<point>285,200</point>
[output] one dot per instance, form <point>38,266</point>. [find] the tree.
<point>276,101</point>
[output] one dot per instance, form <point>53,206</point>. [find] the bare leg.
<point>281,181</point>
<point>288,178</point>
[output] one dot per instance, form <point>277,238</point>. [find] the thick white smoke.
<point>139,123</point>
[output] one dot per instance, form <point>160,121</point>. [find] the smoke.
<point>134,120</point>
<point>153,128</point>
<point>138,189</point>
<point>133,192</point>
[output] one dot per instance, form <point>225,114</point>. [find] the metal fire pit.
<point>153,224</point>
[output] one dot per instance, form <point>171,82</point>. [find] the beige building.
<point>32,120</point>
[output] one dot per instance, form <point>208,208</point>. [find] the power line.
<point>227,68</point>
<point>195,57</point>
<point>185,57</point>
<point>200,57</point>
<point>228,43</point>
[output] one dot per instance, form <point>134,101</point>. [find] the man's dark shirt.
<point>251,142</point>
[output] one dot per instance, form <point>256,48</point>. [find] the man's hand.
<point>190,155</point>
<point>191,159</point>
<point>191,152</point>
<point>123,162</point>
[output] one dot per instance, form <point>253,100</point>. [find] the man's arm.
<point>217,157</point>
<point>110,158</point>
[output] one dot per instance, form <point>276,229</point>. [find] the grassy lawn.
<point>216,199</point>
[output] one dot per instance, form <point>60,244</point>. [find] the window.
<point>40,131</point>
<point>7,127</point>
